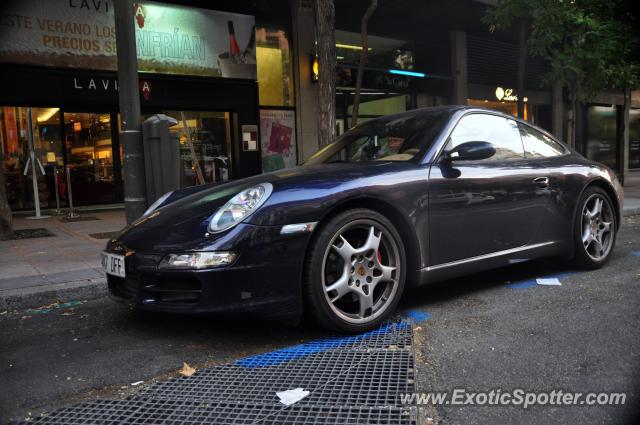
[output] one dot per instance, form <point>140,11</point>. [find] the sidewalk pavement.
<point>68,259</point>
<point>632,199</point>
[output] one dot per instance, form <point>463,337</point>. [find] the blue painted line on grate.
<point>529,283</point>
<point>313,347</point>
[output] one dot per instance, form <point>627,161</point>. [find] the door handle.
<point>541,181</point>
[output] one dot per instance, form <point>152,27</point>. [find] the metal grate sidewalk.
<point>352,380</point>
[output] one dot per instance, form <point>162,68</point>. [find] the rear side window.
<point>539,145</point>
<point>501,132</point>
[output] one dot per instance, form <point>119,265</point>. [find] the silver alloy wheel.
<point>360,271</point>
<point>597,227</point>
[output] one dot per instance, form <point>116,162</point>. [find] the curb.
<point>630,211</point>
<point>45,294</point>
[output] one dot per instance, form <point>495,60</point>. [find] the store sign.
<point>371,79</point>
<point>169,39</point>
<point>506,95</point>
<point>95,84</point>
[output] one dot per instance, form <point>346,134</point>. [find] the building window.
<point>601,141</point>
<point>89,149</point>
<point>208,136</point>
<point>14,142</point>
<point>634,139</point>
<point>275,70</point>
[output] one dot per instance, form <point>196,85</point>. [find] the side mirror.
<point>471,151</point>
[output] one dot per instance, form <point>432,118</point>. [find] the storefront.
<point>492,69</point>
<point>537,103</point>
<point>397,77</point>
<point>601,135</point>
<point>213,71</point>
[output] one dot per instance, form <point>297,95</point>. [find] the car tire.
<point>360,253</point>
<point>595,229</point>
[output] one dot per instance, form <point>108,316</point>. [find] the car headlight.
<point>240,207</point>
<point>156,204</point>
<point>198,260</point>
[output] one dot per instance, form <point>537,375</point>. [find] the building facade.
<point>454,59</point>
<point>224,74</point>
<point>238,77</point>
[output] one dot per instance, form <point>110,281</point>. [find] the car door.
<point>552,184</point>
<point>481,207</point>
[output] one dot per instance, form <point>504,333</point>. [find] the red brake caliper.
<point>379,257</point>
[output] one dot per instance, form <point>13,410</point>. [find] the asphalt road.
<point>495,330</point>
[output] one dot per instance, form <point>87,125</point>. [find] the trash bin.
<point>161,156</point>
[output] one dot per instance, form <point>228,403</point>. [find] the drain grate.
<point>394,335</point>
<point>335,377</point>
<point>352,380</point>
<point>165,412</point>
<point>38,232</point>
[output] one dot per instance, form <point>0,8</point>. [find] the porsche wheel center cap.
<point>361,271</point>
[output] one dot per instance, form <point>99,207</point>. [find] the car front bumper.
<point>264,280</point>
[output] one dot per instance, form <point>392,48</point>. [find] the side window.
<point>501,132</point>
<point>537,145</point>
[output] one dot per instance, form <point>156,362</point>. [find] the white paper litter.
<point>133,384</point>
<point>551,281</point>
<point>292,396</point>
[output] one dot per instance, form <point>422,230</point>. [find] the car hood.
<point>184,222</point>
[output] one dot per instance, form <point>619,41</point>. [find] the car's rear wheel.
<point>595,233</point>
<point>355,271</point>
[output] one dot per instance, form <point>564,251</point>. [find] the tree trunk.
<point>573,112</point>
<point>325,36</point>
<point>6,228</point>
<point>522,63</point>
<point>363,60</point>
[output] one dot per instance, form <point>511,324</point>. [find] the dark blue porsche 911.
<point>401,200</point>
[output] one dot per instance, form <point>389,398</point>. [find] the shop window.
<point>208,136</point>
<point>601,142</point>
<point>275,70</point>
<point>90,157</point>
<point>377,105</point>
<point>278,139</point>
<point>634,139</point>
<point>374,104</point>
<point>426,100</point>
<point>14,138</point>
<point>383,52</point>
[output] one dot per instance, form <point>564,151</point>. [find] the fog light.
<point>198,260</point>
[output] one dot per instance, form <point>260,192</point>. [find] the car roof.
<point>464,108</point>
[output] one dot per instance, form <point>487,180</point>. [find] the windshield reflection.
<point>400,137</point>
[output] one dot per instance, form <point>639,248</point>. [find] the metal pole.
<point>72,213</point>
<point>33,161</point>
<point>56,182</point>
<point>135,197</point>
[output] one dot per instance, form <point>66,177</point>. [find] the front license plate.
<point>113,264</point>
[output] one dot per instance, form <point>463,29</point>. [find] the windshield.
<point>395,138</point>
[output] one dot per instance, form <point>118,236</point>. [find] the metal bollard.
<point>72,213</point>
<point>56,182</point>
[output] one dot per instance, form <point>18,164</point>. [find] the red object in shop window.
<point>280,138</point>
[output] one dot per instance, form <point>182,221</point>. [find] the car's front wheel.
<point>595,233</point>
<point>355,271</point>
